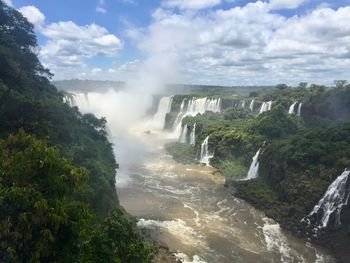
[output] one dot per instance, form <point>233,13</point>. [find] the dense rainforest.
<point>305,145</point>
<point>58,201</point>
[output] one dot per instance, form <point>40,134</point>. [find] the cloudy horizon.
<point>215,42</point>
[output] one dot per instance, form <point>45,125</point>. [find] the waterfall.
<point>183,136</point>
<point>81,100</point>
<point>299,109</point>
<point>254,167</point>
<point>243,103</point>
<point>193,135</point>
<point>266,106</point>
<point>292,108</point>
<point>332,202</point>
<point>263,108</point>
<point>213,105</point>
<point>205,155</point>
<point>69,99</point>
<point>164,107</point>
<point>251,105</point>
<point>182,106</point>
<point>195,106</point>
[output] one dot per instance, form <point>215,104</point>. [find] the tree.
<point>19,63</point>
<point>302,85</point>
<point>340,83</point>
<point>117,241</point>
<point>281,86</point>
<point>40,219</point>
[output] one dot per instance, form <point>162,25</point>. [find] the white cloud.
<point>285,4</point>
<point>128,70</point>
<point>33,15</point>
<point>191,4</point>
<point>100,9</point>
<point>250,44</point>
<point>95,71</point>
<point>69,45</point>
<point>101,6</point>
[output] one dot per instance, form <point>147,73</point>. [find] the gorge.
<point>186,206</point>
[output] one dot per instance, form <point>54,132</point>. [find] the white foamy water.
<point>265,106</point>
<point>164,107</point>
<point>205,154</point>
<point>292,108</point>
<point>193,135</point>
<point>331,204</point>
<point>195,106</point>
<point>254,167</point>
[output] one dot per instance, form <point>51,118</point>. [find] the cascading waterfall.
<point>69,99</point>
<point>182,106</point>
<point>243,104</point>
<point>164,107</point>
<point>205,155</point>
<point>193,135</point>
<point>251,105</point>
<point>292,108</point>
<point>254,167</point>
<point>269,105</point>
<point>336,196</point>
<point>80,100</point>
<point>299,109</point>
<point>213,105</point>
<point>202,105</point>
<point>183,136</point>
<point>266,106</point>
<point>194,107</point>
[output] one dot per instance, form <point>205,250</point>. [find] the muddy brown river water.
<point>188,208</point>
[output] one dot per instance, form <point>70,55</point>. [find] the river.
<point>188,208</point>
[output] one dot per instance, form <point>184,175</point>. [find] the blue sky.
<point>224,42</point>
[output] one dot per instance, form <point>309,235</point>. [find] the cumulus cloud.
<point>285,4</point>
<point>191,4</point>
<point>69,46</point>
<point>251,44</point>
<point>95,71</point>
<point>33,15</point>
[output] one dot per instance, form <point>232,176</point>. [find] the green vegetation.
<point>301,156</point>
<point>182,153</point>
<point>58,200</point>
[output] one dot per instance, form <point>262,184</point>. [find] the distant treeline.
<point>80,85</point>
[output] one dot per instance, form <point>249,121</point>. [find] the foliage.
<point>301,156</point>
<point>232,168</point>
<point>116,240</point>
<point>48,205</point>
<point>40,218</point>
<point>182,153</point>
<point>28,101</point>
<point>273,124</point>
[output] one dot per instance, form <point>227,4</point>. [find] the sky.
<point>215,42</point>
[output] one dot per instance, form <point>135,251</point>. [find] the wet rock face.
<point>326,215</point>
